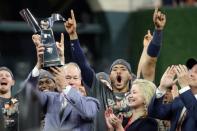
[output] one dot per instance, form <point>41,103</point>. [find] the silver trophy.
<point>51,55</point>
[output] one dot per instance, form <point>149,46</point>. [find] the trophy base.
<point>48,64</point>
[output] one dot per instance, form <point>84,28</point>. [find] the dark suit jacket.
<point>143,124</point>
<point>78,115</point>
<point>173,110</point>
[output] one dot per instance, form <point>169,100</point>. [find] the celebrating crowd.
<point>73,97</point>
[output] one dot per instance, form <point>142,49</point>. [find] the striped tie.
<point>181,119</point>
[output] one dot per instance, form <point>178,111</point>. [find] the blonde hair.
<point>147,88</point>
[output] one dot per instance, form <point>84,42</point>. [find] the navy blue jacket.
<point>173,110</point>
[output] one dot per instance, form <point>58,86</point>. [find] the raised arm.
<point>33,78</point>
<point>150,54</point>
<point>156,108</point>
<point>186,95</point>
<point>76,51</point>
<point>147,39</point>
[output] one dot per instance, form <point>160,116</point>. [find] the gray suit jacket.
<point>78,115</point>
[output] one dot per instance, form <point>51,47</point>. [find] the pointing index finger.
<point>156,10</point>
<point>149,32</point>
<point>62,38</point>
<point>72,15</point>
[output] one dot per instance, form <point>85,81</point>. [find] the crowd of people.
<point>74,97</point>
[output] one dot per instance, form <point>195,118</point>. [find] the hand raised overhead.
<point>167,79</point>
<point>147,39</point>
<point>59,75</point>
<point>159,19</point>
<point>39,49</point>
<point>182,75</point>
<point>36,39</point>
<point>71,25</point>
<point>60,47</point>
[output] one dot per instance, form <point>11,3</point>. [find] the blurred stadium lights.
<point>122,5</point>
<point>58,27</point>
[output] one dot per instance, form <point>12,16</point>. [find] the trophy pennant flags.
<point>30,19</point>
<point>55,17</point>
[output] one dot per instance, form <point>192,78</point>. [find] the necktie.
<point>63,106</point>
<point>181,119</point>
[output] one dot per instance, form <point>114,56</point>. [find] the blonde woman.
<point>140,96</point>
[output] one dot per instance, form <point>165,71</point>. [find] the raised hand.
<point>39,49</point>
<point>36,39</point>
<point>60,47</point>
<point>175,91</point>
<point>159,19</point>
<point>182,75</point>
<point>167,79</point>
<point>59,75</point>
<point>70,26</point>
<point>147,39</point>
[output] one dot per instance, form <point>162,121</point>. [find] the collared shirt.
<point>160,93</point>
